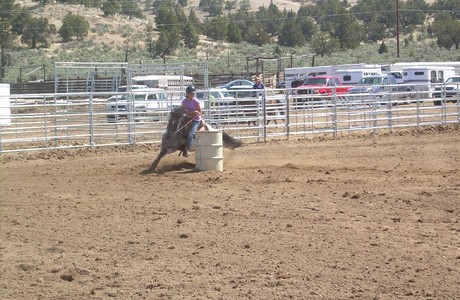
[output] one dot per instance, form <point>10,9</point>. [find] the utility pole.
<point>397,28</point>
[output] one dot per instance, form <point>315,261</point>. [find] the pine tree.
<point>189,36</point>
<point>234,33</point>
<point>36,31</point>
<point>383,48</point>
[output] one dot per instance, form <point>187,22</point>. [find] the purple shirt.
<point>193,105</point>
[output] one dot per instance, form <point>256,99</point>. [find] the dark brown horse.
<point>175,137</point>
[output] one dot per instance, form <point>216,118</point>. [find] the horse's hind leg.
<point>154,164</point>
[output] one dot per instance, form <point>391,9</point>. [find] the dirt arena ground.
<point>368,217</point>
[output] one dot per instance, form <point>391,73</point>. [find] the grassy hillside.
<point>115,38</point>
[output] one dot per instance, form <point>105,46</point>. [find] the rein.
<point>190,121</point>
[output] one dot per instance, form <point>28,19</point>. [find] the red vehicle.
<point>322,86</point>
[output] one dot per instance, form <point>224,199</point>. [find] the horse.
<point>271,108</point>
<point>175,136</point>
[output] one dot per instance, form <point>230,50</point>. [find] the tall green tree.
<point>7,38</point>
<point>166,44</point>
<point>446,28</point>
<point>111,7</point>
<point>245,5</point>
<point>131,9</point>
<point>192,18</point>
<point>323,43</point>
<point>149,41</point>
<point>234,33</point>
<point>291,34</point>
<point>74,26</point>
<point>36,31</point>
<point>189,36</point>
<point>378,17</point>
<point>413,13</point>
<point>348,31</point>
<point>8,9</point>
<point>216,28</point>
<point>20,21</point>
<point>271,18</point>
<point>166,18</point>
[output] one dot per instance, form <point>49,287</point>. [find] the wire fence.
<point>74,120</point>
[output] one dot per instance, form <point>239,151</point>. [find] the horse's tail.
<point>230,142</point>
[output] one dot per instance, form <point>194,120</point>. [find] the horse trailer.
<point>424,78</point>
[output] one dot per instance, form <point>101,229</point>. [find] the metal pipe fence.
<point>75,120</point>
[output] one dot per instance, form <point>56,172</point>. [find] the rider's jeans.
<point>191,133</point>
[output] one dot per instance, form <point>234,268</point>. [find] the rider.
<point>192,109</point>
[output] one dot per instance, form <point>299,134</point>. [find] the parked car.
<point>216,96</point>
<point>381,84</point>
<point>237,82</point>
<point>450,89</point>
<point>373,84</point>
<point>145,103</point>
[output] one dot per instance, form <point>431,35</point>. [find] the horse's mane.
<point>176,119</point>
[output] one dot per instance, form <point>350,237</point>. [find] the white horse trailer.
<point>167,82</point>
<point>352,76</point>
<point>299,74</point>
<point>425,78</point>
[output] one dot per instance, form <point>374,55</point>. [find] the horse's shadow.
<point>186,167</point>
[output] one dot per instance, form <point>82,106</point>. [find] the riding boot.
<point>185,153</point>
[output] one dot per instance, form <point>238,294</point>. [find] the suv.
<point>143,102</point>
<point>450,89</point>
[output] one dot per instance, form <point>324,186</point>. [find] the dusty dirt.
<point>370,217</point>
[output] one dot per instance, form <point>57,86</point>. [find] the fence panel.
<point>73,120</point>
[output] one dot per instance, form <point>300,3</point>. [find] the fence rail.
<point>73,120</point>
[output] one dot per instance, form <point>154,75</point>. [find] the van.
<point>142,103</point>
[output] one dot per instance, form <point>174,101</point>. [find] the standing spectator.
<point>258,85</point>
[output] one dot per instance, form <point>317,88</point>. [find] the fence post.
<point>264,110</point>
<point>389,114</point>
<point>288,115</point>
<point>91,120</point>
<point>334,111</point>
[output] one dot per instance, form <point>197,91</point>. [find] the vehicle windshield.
<point>370,80</point>
<point>218,95</point>
<point>315,81</point>
<point>453,79</point>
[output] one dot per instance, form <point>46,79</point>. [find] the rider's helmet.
<point>190,89</point>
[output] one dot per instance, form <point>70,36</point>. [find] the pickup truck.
<point>143,104</point>
<point>322,86</point>
<point>450,89</point>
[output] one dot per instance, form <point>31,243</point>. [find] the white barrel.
<point>209,154</point>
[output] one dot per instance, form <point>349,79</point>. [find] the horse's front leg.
<point>154,164</point>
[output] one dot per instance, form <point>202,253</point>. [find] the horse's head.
<point>174,119</point>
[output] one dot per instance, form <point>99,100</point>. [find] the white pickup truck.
<point>449,90</point>
<point>142,104</point>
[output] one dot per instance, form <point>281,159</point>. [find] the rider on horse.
<point>192,109</point>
